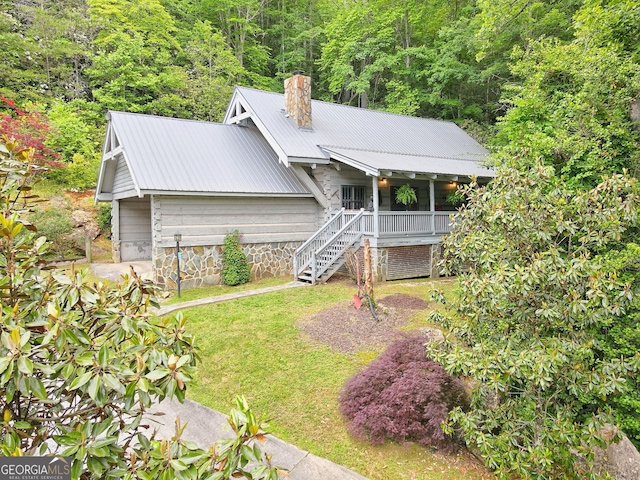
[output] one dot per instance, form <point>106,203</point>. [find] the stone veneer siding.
<point>297,100</point>
<point>202,265</point>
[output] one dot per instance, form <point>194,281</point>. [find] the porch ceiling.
<point>380,163</point>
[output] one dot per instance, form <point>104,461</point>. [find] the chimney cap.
<point>297,72</point>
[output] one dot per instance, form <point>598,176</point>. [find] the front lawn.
<point>253,347</point>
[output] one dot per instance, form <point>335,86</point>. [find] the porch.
<point>363,201</point>
<point>395,228</point>
<point>324,253</point>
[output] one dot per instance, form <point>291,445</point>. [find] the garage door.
<point>135,229</point>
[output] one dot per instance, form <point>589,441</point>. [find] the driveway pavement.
<point>115,271</point>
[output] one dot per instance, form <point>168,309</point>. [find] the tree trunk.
<point>368,273</point>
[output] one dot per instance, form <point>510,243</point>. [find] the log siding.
<point>206,220</point>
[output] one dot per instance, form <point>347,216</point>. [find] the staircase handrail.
<point>302,251</point>
<point>342,232</point>
<point>321,230</point>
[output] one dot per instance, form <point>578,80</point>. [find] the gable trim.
<point>352,163</point>
<point>234,114</point>
<point>111,151</point>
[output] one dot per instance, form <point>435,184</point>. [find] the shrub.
<point>235,269</point>
<point>81,362</point>
<point>54,223</point>
<point>104,218</point>
<point>544,319</point>
<point>402,396</point>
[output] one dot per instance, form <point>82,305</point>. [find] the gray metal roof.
<point>409,143</point>
<point>383,161</point>
<point>176,155</point>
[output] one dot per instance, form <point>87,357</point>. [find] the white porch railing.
<point>405,223</point>
<point>324,250</point>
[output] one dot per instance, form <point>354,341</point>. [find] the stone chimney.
<point>297,99</point>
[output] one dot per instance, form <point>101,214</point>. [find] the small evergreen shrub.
<point>402,396</point>
<point>55,224</point>
<point>104,218</point>
<point>235,269</point>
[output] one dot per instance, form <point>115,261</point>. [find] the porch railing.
<point>304,254</point>
<point>326,247</point>
<point>404,223</point>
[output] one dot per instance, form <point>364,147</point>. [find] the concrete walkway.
<point>203,425</point>
<point>225,298</point>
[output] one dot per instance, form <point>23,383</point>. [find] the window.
<point>353,197</point>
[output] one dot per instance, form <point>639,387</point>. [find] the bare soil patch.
<point>347,329</point>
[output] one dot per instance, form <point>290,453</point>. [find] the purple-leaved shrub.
<point>402,396</point>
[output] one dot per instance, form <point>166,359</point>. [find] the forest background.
<point>557,78</point>
<point>538,82</point>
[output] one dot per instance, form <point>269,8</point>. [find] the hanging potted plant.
<point>406,196</point>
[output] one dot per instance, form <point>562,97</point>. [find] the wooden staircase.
<point>324,253</point>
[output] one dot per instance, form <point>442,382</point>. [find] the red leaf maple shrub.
<point>402,396</point>
<point>30,129</point>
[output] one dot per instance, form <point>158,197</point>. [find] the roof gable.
<point>175,155</point>
<point>346,128</point>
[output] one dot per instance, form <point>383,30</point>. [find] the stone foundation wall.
<point>202,265</point>
<point>378,263</point>
<point>115,251</point>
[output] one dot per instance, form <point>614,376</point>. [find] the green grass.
<point>252,347</point>
<point>216,290</point>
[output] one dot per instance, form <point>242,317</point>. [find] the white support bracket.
<point>310,184</point>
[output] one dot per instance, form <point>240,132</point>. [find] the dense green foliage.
<point>81,362</point>
<point>572,105</point>
<point>235,267</point>
<point>55,224</point>
<point>546,320</point>
<point>540,81</point>
<point>561,76</point>
<point>104,218</point>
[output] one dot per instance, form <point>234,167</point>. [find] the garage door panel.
<point>135,229</point>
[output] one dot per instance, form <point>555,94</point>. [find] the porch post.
<point>376,225</point>
<point>432,197</point>
<point>432,205</point>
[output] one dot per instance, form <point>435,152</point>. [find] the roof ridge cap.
<point>382,112</point>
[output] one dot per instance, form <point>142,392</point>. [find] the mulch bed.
<point>347,329</point>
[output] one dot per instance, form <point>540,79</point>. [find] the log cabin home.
<point>303,181</point>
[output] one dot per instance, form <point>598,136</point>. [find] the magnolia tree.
<point>81,362</point>
<point>546,273</point>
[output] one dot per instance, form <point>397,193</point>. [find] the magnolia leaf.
<point>81,380</point>
<point>25,365</point>
<point>158,374</point>
<point>37,388</point>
